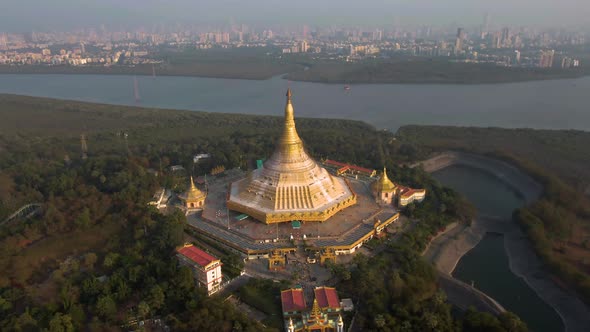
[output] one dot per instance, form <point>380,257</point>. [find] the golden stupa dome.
<point>290,185</point>
<point>384,184</point>
<point>194,193</point>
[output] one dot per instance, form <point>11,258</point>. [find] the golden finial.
<point>289,94</point>
<point>290,140</point>
<point>193,187</point>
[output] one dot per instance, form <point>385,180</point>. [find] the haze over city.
<point>29,15</point>
<point>295,166</point>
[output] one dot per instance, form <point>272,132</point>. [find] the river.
<point>487,264</point>
<point>554,104</point>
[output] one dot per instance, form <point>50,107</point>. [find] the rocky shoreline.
<point>446,250</point>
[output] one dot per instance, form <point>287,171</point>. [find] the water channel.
<point>487,264</point>
<point>555,104</point>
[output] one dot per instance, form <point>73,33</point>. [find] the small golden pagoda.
<point>193,198</point>
<point>383,189</point>
<point>290,185</point>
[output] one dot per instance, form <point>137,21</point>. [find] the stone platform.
<point>250,235</point>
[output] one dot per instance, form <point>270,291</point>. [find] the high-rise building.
<point>516,57</point>
<point>506,42</point>
<point>377,35</point>
<point>303,46</point>
<point>3,42</point>
<point>459,41</point>
<point>546,59</point>
<point>486,24</point>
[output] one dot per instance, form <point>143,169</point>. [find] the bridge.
<point>25,212</point>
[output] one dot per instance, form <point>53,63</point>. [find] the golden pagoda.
<point>384,189</point>
<point>193,198</point>
<point>290,185</point>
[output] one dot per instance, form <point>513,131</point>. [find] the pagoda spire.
<point>194,192</point>
<point>316,313</point>
<point>290,139</point>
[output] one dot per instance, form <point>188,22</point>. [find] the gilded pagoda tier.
<point>290,185</point>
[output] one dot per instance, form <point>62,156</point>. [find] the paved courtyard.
<point>345,227</point>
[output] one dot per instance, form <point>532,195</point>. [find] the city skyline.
<point>30,15</point>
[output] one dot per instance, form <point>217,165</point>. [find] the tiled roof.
<point>197,255</point>
<point>409,192</point>
<point>327,297</point>
<point>292,300</point>
<point>354,167</point>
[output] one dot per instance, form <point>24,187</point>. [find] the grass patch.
<point>39,259</point>
<point>264,295</point>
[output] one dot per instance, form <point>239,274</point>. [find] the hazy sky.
<point>27,15</point>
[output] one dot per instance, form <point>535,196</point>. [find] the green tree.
<point>143,309</point>
<point>156,297</point>
<point>106,307</point>
<point>61,323</point>
<point>83,220</point>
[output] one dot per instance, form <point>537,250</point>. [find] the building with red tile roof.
<point>386,192</point>
<point>206,268</point>
<point>324,315</point>
<point>409,195</point>
<point>327,298</point>
<point>344,167</point>
<point>292,301</point>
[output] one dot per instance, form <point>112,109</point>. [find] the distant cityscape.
<point>502,46</point>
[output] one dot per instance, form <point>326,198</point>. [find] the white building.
<point>207,269</point>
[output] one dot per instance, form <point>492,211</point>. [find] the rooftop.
<point>327,297</point>
<point>353,167</point>
<point>293,300</point>
<point>197,255</point>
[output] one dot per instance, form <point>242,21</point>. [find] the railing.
<point>24,212</point>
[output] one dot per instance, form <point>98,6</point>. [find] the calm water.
<point>494,277</point>
<point>553,104</point>
<point>490,196</point>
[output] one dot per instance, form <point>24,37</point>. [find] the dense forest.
<point>558,225</point>
<point>425,70</point>
<point>96,257</point>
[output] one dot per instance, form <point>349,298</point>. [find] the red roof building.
<point>197,255</point>
<point>206,268</point>
<point>292,301</point>
<point>327,298</point>
<point>324,315</point>
<point>344,167</point>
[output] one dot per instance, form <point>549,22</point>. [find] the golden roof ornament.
<point>316,313</point>
<point>194,192</point>
<point>384,184</point>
